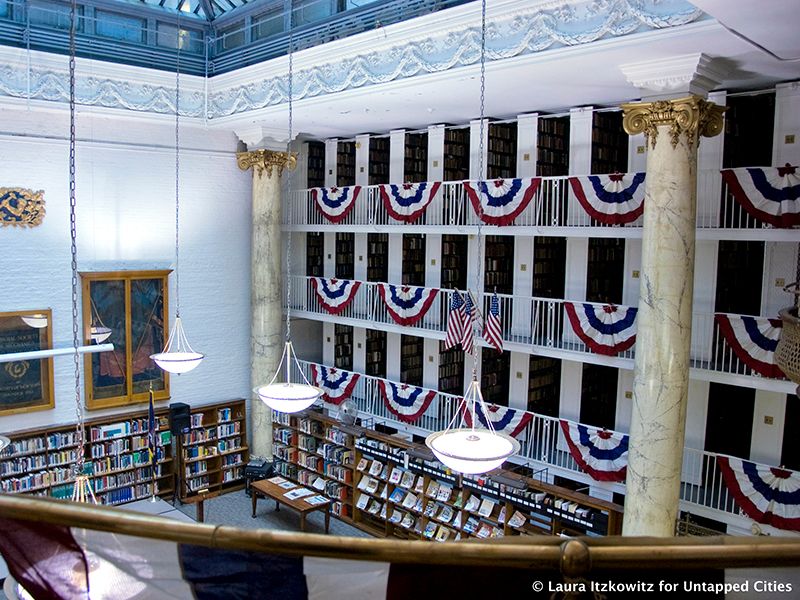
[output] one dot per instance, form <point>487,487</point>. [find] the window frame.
<point>47,401</point>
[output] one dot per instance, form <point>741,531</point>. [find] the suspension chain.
<point>290,91</point>
<point>177,167</point>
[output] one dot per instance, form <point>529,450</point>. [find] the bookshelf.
<point>39,461</point>
<point>378,170</point>
<point>316,164</point>
<point>501,158</point>
<point>343,347</point>
<point>605,270</point>
<point>451,370</point>
<point>456,154</point>
<point>415,167</point>
<point>453,270</point>
<point>599,395</point>
<point>544,385</point>
<point>498,271</point>
<point>549,266</point>
<point>345,163</point>
<point>377,257</point>
<point>495,373</point>
<point>412,354</point>
<point>345,255</point>
<point>553,146</point>
<point>376,353</point>
<point>748,141</point>
<point>414,259</point>
<point>609,143</point>
<point>214,452</point>
<point>315,252</point>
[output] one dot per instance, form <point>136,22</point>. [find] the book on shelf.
<point>374,507</point>
<point>445,515</point>
<point>419,487</point>
<point>396,475</point>
<point>362,464</point>
<point>372,485</point>
<point>298,493</point>
<point>430,529</point>
<point>487,507</point>
<point>364,482</point>
<point>517,520</point>
<point>444,493</point>
<point>471,525</point>
<point>407,480</point>
<point>418,526</point>
<point>473,502</point>
<point>501,518</point>
<point>460,519</point>
<point>420,503</point>
<point>484,531</point>
<point>408,521</point>
<point>397,495</point>
<point>430,509</point>
<point>384,492</point>
<point>375,468</point>
<point>433,489</point>
<point>319,484</point>
<point>383,512</point>
<point>397,516</point>
<point>316,500</point>
<point>362,501</point>
<point>410,500</point>
<point>459,500</point>
<point>385,472</point>
<point>442,534</point>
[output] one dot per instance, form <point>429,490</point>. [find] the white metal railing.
<point>554,205</point>
<point>702,483</point>
<point>537,322</point>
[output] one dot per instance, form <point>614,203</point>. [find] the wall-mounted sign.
<point>27,384</point>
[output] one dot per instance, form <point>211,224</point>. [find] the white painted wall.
<point>787,123</point>
<point>527,144</point>
<point>768,424</point>
<point>397,155</point>
<point>331,146</point>
<point>362,159</point>
<point>435,152</point>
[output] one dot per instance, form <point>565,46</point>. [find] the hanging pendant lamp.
<point>178,356</point>
<point>289,396</point>
<point>38,320</point>
<point>472,450</point>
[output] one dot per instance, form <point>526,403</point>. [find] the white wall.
<point>125,220</point>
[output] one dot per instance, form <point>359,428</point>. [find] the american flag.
<point>455,321</point>
<point>467,340</point>
<point>492,332</point>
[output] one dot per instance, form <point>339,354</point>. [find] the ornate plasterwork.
<point>262,161</point>
<point>691,116</point>
<point>515,33</point>
<point>21,207</point>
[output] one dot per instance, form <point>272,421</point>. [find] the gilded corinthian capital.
<point>690,116</point>
<point>264,160</point>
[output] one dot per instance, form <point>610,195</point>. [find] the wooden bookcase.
<point>377,257</point>
<point>451,370</point>
<point>412,354</point>
<point>414,259</point>
<point>609,143</point>
<point>456,154</point>
<point>345,255</point>
<point>499,264</point>
<point>495,374</point>
<point>376,353</point>
<point>544,385</point>
<point>215,451</point>
<point>316,164</point>
<point>345,163</point>
<point>416,157</point>
<point>39,461</point>
<point>454,268</point>
<point>549,266</point>
<point>553,146</point>
<point>343,347</point>
<point>315,250</point>
<point>378,170</point>
<point>501,157</point>
<point>605,270</point>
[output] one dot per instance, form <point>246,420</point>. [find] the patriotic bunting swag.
<point>613,199</point>
<point>335,203</point>
<point>602,454</point>
<point>503,419</point>
<point>407,402</point>
<point>605,329</point>
<point>406,304</point>
<point>338,384</point>
<point>770,194</point>
<point>766,494</point>
<point>408,201</point>
<point>335,294</point>
<point>500,201</point>
<point>754,340</point>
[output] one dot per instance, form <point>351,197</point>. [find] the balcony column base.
<point>664,319</point>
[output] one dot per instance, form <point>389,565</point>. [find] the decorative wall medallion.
<point>21,207</point>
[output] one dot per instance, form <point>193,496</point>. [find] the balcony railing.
<point>554,205</point>
<point>541,442</point>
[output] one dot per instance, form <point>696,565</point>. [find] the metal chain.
<point>177,167</point>
<point>79,432</point>
<point>289,181</point>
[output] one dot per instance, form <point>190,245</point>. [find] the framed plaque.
<point>26,384</point>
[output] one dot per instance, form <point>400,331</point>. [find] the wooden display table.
<point>273,491</point>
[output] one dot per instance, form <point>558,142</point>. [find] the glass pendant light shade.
<point>178,356</point>
<point>100,334</point>
<point>288,397</point>
<point>38,321</point>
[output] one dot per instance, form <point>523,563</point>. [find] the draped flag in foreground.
<point>335,203</point>
<point>766,494</point>
<point>601,453</point>
<point>406,304</point>
<point>754,340</point>
<point>770,194</point>
<point>469,318</point>
<point>408,201</point>
<point>337,384</point>
<point>510,421</point>
<point>500,201</point>
<point>407,402</point>
<point>455,321</point>
<point>335,294</point>
<point>605,329</point>
<point>492,330</point>
<point>613,199</point>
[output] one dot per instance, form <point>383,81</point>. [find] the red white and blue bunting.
<point>613,199</point>
<point>408,201</point>
<point>335,294</point>
<point>770,194</point>
<point>337,384</point>
<point>500,201</point>
<point>601,453</point>
<point>407,402</point>
<point>506,420</point>
<point>766,494</point>
<point>754,340</point>
<point>335,203</point>
<point>406,304</point>
<point>605,329</point>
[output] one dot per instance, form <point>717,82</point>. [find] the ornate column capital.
<point>691,116</point>
<point>263,160</point>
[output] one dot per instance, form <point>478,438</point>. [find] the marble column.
<point>266,331</point>
<point>664,320</point>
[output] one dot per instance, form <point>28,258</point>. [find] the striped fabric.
<point>492,330</point>
<point>455,321</point>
